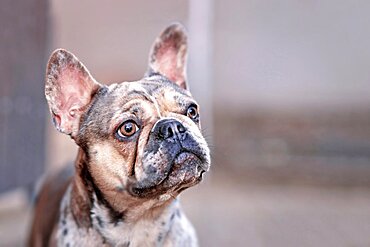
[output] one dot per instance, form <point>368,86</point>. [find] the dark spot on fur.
<point>163,223</point>
<point>160,237</point>
<point>67,245</point>
<point>178,213</point>
<point>151,73</point>
<point>65,231</point>
<point>126,244</point>
<point>100,221</point>
<point>151,169</point>
<point>172,216</point>
<point>117,217</point>
<point>65,212</point>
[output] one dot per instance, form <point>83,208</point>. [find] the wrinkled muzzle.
<point>174,156</point>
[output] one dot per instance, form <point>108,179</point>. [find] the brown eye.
<point>192,112</point>
<point>127,129</point>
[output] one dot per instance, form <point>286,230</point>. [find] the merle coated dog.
<point>140,145</point>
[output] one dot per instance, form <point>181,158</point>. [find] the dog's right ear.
<point>69,90</point>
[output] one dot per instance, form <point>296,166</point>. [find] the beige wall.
<point>294,55</point>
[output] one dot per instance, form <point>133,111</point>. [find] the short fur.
<point>124,188</point>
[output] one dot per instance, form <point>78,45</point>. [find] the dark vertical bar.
<point>23,43</point>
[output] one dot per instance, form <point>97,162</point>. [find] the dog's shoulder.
<point>47,204</point>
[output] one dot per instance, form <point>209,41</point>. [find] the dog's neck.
<point>150,228</point>
<point>87,201</point>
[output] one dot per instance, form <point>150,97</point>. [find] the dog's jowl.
<point>140,145</point>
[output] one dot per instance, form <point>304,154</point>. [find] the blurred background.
<point>284,88</point>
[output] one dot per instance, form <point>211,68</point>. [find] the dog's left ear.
<point>169,54</point>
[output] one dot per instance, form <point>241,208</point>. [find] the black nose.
<point>169,128</point>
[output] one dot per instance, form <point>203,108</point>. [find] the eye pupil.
<point>127,129</point>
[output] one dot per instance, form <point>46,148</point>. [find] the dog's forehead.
<point>164,94</point>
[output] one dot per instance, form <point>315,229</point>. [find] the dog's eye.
<point>127,129</point>
<point>192,112</point>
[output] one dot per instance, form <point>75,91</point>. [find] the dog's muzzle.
<point>172,156</point>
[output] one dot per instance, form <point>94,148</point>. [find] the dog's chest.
<point>170,229</point>
<point>69,234</point>
<point>122,233</point>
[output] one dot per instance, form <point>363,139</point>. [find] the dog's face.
<point>141,138</point>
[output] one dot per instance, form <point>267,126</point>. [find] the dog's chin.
<point>186,168</point>
<point>186,171</point>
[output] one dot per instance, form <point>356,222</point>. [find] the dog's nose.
<point>169,128</point>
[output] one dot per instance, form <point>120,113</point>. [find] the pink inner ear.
<point>75,90</point>
<point>169,62</point>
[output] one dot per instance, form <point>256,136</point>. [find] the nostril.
<point>180,128</point>
<point>169,132</point>
<point>166,131</point>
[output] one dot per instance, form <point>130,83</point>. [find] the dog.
<point>140,145</point>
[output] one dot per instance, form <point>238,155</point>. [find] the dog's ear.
<point>69,90</point>
<point>169,53</point>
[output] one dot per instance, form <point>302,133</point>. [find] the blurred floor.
<point>228,211</point>
<point>15,216</point>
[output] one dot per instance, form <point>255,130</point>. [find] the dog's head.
<point>142,138</point>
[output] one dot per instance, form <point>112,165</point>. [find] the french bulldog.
<point>140,145</point>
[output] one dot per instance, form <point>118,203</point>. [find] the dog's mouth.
<point>186,170</point>
<point>194,164</point>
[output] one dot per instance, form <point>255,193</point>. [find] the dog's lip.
<point>192,153</point>
<point>152,191</point>
<point>189,155</point>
